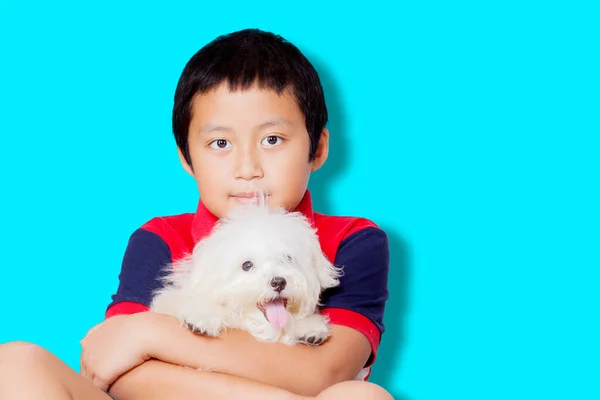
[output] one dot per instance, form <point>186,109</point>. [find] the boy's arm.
<point>159,380</point>
<point>299,369</point>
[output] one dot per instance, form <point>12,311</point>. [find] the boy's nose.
<point>248,166</point>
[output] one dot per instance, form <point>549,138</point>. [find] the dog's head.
<point>270,259</point>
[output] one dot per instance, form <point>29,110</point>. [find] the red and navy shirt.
<point>356,244</point>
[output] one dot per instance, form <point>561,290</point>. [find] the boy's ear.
<point>184,163</point>
<point>322,151</point>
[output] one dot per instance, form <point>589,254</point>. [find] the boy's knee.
<point>14,354</point>
<point>376,392</point>
<point>355,390</point>
<point>28,371</point>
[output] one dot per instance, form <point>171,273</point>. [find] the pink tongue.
<point>276,313</point>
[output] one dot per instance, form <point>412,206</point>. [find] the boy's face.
<point>244,141</point>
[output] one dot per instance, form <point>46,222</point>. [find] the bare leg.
<point>354,390</point>
<point>30,372</point>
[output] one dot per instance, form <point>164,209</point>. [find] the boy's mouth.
<point>248,197</point>
<point>275,311</point>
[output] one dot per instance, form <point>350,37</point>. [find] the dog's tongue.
<point>276,313</point>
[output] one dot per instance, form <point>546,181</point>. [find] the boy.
<point>249,114</point>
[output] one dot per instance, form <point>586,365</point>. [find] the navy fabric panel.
<point>363,288</point>
<point>144,263</point>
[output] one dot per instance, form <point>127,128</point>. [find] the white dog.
<point>260,271</point>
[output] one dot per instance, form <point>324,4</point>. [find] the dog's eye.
<point>247,265</point>
<point>288,257</point>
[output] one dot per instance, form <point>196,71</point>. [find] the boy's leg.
<point>29,372</point>
<point>354,390</point>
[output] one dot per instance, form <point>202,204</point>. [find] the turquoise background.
<point>468,130</point>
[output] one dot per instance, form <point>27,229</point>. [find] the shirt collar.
<point>204,220</point>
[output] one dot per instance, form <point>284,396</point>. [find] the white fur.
<point>209,291</point>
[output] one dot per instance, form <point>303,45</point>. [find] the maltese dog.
<point>261,271</point>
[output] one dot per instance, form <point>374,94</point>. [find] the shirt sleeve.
<point>359,301</point>
<point>145,260</point>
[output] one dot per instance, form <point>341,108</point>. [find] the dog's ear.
<point>200,261</point>
<point>328,273</point>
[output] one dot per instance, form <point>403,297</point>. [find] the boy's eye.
<point>219,144</point>
<point>272,140</point>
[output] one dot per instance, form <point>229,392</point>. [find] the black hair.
<point>243,58</point>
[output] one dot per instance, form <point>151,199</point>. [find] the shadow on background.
<point>390,351</point>
<point>389,355</point>
<point>320,181</point>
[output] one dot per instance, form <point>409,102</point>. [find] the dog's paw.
<point>312,331</point>
<point>194,328</point>
<point>313,340</point>
<point>208,327</point>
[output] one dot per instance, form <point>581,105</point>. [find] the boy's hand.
<point>115,346</point>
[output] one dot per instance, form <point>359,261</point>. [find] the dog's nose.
<point>278,283</point>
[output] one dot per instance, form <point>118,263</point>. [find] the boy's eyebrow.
<point>275,122</point>
<point>267,124</point>
<point>212,128</point>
